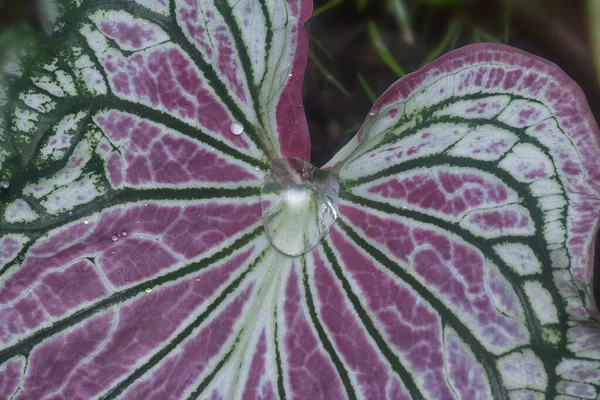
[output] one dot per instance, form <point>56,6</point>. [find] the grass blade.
<point>367,88</point>
<point>382,49</point>
<point>326,6</point>
<point>328,75</point>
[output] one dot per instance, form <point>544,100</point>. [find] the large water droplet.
<point>236,128</point>
<point>299,205</point>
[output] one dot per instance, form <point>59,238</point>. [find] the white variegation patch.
<point>95,39</point>
<point>520,258</point>
<point>525,394</point>
<point>523,370</point>
<point>37,101</point>
<point>25,120</point>
<point>523,113</point>
<point>10,246</point>
<point>50,85</point>
<point>252,22</point>
<point>577,389</point>
<point>526,163</point>
<point>68,196</point>
<point>87,72</point>
<point>19,211</point>
<point>55,146</point>
<point>71,172</point>
<point>440,89</point>
<point>579,370</point>
<point>546,187</point>
<point>554,230</point>
<point>541,301</point>
<point>66,82</point>
<point>426,142</point>
<point>485,143</point>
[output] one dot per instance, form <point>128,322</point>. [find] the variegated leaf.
<point>139,144</point>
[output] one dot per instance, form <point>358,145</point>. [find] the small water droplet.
<point>148,290</point>
<point>124,233</point>
<point>114,238</point>
<point>4,185</point>
<point>373,112</point>
<point>86,222</point>
<point>236,128</point>
<point>197,279</point>
<point>145,204</point>
<point>290,75</point>
<point>70,213</point>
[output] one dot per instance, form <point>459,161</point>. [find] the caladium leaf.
<point>135,260</point>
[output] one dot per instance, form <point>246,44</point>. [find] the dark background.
<point>341,48</point>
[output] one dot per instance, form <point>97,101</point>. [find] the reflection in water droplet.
<point>114,238</point>
<point>70,213</point>
<point>124,233</point>
<point>86,222</point>
<point>236,128</point>
<point>148,290</point>
<point>299,205</point>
